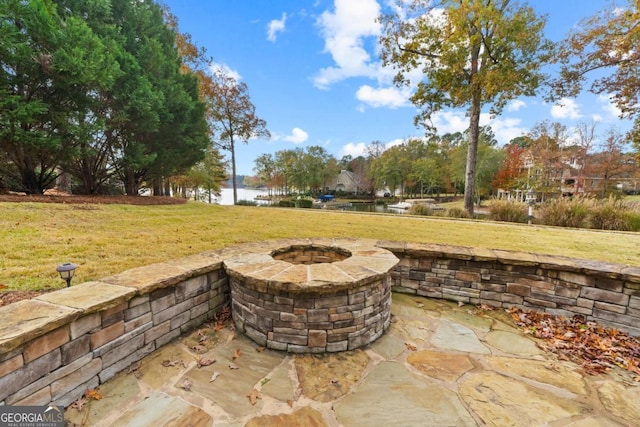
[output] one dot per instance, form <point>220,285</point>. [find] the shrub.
<point>564,212</point>
<point>305,203</point>
<point>634,220</point>
<point>418,209</point>
<point>286,204</point>
<point>457,213</point>
<point>504,210</point>
<point>610,214</point>
<point>246,203</point>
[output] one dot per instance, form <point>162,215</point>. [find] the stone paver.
<point>437,364</point>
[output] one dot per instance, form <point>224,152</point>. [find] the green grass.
<point>108,239</point>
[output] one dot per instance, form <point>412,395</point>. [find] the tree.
<point>610,163</point>
<point>472,54</point>
<point>547,141</point>
<point>233,117</point>
<point>510,174</point>
<point>52,67</point>
<point>209,174</point>
<point>488,162</point>
<point>265,169</point>
<point>607,41</point>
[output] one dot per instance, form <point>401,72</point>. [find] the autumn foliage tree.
<point>471,53</point>
<point>233,117</point>
<point>607,41</point>
<point>508,177</point>
<point>195,61</point>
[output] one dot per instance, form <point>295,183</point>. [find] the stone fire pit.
<point>316,295</point>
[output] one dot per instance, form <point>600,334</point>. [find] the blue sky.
<point>314,74</point>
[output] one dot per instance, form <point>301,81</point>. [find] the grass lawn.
<point>106,239</point>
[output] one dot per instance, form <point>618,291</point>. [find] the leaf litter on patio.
<point>596,348</point>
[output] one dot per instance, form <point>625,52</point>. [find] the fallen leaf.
<point>460,303</point>
<point>168,363</point>
<point>290,403</point>
<point>254,396</point>
<point>410,346</point>
<point>236,354</point>
<point>79,404</point>
<point>259,349</point>
<point>3,286</point>
<point>92,393</point>
<point>186,385</point>
<point>595,348</point>
<point>232,366</point>
<point>203,339</point>
<point>201,361</point>
<point>199,349</point>
<point>214,376</point>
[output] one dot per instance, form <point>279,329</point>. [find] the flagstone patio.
<point>439,363</point>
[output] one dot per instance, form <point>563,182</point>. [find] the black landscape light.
<point>67,270</point>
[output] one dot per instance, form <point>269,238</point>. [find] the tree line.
<point>544,159</point>
<point>109,96</point>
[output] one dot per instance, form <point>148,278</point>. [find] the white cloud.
<point>609,106</point>
<point>450,122</point>
<point>596,117</point>
<point>297,136</point>
<point>391,97</point>
<point>344,31</point>
<point>394,143</point>
<point>354,149</point>
<point>226,70</point>
<point>566,109</point>
<point>516,105</point>
<point>504,128</point>
<point>276,26</point>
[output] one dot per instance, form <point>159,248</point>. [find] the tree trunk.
<point>474,132</point>
<point>472,155</point>
<point>233,172</point>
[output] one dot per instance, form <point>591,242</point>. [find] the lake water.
<point>226,198</point>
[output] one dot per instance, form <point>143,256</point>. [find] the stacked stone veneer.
<point>606,292</point>
<point>54,347</point>
<point>313,296</point>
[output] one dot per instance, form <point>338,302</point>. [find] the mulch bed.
<point>10,297</point>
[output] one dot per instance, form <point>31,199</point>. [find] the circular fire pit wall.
<point>317,296</point>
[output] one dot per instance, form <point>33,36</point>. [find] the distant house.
<point>574,172</point>
<point>345,182</point>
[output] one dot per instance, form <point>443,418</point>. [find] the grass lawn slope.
<point>104,239</point>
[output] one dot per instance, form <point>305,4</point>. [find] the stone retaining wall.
<point>606,292</point>
<point>54,347</point>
